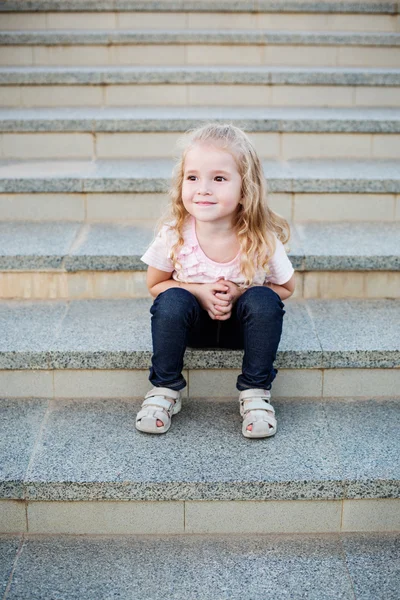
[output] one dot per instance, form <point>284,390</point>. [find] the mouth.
<point>205,203</point>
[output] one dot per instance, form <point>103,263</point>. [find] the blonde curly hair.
<point>255,224</point>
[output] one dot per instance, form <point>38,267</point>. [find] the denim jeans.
<point>179,321</point>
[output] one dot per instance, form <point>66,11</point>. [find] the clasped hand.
<point>218,298</point>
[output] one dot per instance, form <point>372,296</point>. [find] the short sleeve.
<point>281,269</point>
<point>158,253</point>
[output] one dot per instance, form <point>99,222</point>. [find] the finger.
<point>223,309</point>
<point>222,296</point>
<point>220,287</point>
<point>224,317</point>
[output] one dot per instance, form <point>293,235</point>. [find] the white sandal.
<point>158,404</point>
<point>258,412</point>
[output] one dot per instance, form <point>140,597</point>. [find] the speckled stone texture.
<point>20,425</point>
<point>354,333</point>
<point>31,245</point>
<point>115,334</point>
<point>223,567</point>
<point>350,246</point>
<point>118,247</point>
<point>9,545</point>
<point>206,75</point>
<point>300,38</point>
<point>153,175</point>
<point>182,118</point>
<point>373,563</point>
<point>324,6</point>
<point>90,450</point>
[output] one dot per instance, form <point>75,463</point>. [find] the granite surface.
<point>110,334</point>
<point>110,247</point>
<point>69,246</point>
<point>357,333</point>
<point>324,6</point>
<point>199,75</point>
<point>373,563</point>
<point>153,175</point>
<point>20,426</point>
<point>349,246</point>
<point>182,567</point>
<point>33,245</point>
<point>180,37</point>
<point>368,445</point>
<point>9,546</point>
<point>182,118</point>
<point>92,448</point>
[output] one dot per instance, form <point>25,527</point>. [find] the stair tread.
<point>115,334</point>
<point>346,566</point>
<point>90,449</point>
<point>153,175</point>
<point>69,246</point>
<point>157,119</point>
<point>183,74</point>
<point>198,36</point>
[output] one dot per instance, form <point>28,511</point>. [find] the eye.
<point>191,177</point>
<point>220,178</point>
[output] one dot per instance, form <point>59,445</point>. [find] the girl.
<point>218,272</point>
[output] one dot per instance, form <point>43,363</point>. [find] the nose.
<point>203,191</point>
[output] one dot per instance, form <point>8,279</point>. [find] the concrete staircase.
<point>93,97</point>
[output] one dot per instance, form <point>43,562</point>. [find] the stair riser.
<point>204,517</point>
<point>198,95</point>
<point>201,383</point>
<point>136,208</point>
<point>277,146</point>
<point>185,21</point>
<point>196,54</point>
<point>105,284</point>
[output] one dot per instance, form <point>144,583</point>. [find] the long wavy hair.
<point>255,224</point>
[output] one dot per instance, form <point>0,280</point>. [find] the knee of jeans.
<point>261,300</point>
<point>174,303</point>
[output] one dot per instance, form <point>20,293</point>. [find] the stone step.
<point>348,566</point>
<point>75,261</point>
<point>282,133</point>
<point>81,467</point>
<point>199,47</point>
<point>292,15</point>
<point>194,86</point>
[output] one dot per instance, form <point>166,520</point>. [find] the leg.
<point>259,312</point>
<point>177,321</point>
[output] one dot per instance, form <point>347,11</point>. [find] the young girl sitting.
<point>218,272</point>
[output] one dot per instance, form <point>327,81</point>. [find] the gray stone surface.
<point>180,37</point>
<point>325,6</point>
<point>28,332</point>
<point>182,118</point>
<point>349,246</point>
<point>20,426</point>
<point>118,247</point>
<point>355,333</point>
<point>9,545</point>
<point>91,450</point>
<point>153,175</point>
<point>182,567</point>
<point>110,247</point>
<point>367,441</point>
<point>100,334</point>
<point>202,75</point>
<point>32,245</point>
<point>373,563</point>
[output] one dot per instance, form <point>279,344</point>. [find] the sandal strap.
<point>159,402</point>
<point>251,419</point>
<point>256,404</point>
<point>160,391</point>
<point>255,393</point>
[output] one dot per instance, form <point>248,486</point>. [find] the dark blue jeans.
<point>179,321</point>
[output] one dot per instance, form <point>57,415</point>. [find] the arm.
<point>205,293</point>
<point>284,290</point>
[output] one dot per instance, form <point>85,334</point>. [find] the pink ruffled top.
<point>196,267</point>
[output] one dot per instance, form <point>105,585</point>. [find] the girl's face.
<point>211,189</point>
